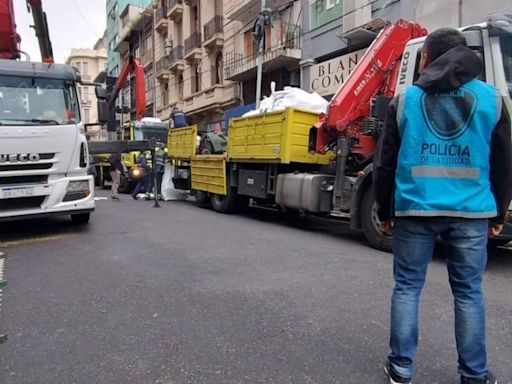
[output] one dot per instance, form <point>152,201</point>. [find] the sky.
<point>72,24</point>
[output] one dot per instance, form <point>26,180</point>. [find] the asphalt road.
<point>185,295</point>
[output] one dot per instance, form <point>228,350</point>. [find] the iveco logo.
<point>19,158</point>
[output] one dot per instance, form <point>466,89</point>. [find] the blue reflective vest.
<point>443,162</point>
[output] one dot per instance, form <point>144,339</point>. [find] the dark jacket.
<point>115,162</point>
<point>449,71</point>
<point>179,119</point>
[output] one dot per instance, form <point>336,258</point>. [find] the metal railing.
<point>162,64</point>
<point>236,62</point>
<point>176,54</point>
<point>193,41</point>
<point>171,3</point>
<point>168,60</point>
<point>161,13</point>
<point>215,25</point>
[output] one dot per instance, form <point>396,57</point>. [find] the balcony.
<point>162,68</point>
<point>218,97</point>
<point>176,62</point>
<point>161,21</point>
<point>193,47</point>
<point>284,51</point>
<point>244,10</point>
<point>214,34</point>
<point>175,9</point>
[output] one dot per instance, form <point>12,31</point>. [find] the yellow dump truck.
<point>267,162</point>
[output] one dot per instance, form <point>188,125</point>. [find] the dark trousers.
<point>159,177</point>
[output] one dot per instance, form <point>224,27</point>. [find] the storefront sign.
<point>327,77</point>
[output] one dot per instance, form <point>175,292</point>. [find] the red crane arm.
<point>9,38</point>
<point>376,74</point>
<point>131,65</point>
<point>41,28</point>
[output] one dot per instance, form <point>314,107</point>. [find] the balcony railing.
<point>215,25</point>
<point>161,13</point>
<point>171,3</point>
<point>288,46</point>
<point>176,54</point>
<point>162,64</point>
<point>193,41</point>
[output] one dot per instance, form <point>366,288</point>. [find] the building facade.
<point>189,49</point>
<point>338,31</point>
<point>114,26</point>
<point>282,44</point>
<point>90,63</point>
<point>201,55</point>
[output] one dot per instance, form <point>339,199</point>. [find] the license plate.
<point>13,192</point>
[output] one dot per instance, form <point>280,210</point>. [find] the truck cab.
<point>43,148</point>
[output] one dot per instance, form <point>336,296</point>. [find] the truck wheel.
<point>202,198</point>
<point>375,237</point>
<point>225,204</point>
<point>125,185</point>
<point>80,218</point>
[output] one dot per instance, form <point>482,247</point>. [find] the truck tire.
<point>375,237</point>
<point>202,199</point>
<point>124,185</point>
<point>225,204</point>
<point>80,218</point>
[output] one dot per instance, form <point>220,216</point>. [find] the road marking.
<point>30,240</point>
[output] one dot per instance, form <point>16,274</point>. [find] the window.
<point>165,93</point>
<point>149,43</point>
<point>217,70</point>
<point>85,94</point>
<point>37,101</point>
<point>196,77</point>
<point>85,68</point>
<point>180,87</point>
<point>86,116</point>
<point>137,52</point>
<point>324,11</point>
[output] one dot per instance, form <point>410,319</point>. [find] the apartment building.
<point>90,62</point>
<point>136,39</point>
<point>337,32</point>
<point>282,45</point>
<point>190,60</point>
<point>114,8</point>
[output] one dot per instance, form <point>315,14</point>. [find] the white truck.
<point>43,148</point>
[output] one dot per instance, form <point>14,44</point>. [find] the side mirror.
<point>103,113</point>
<point>101,93</point>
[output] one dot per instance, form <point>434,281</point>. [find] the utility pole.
<point>259,58</point>
<point>155,5</point>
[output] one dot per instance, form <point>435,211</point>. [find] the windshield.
<point>506,51</point>
<point>37,101</point>
<point>144,132</point>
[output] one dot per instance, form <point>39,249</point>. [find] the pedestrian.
<point>160,159</point>
<point>178,118</point>
<point>116,169</point>
<point>142,184</point>
<point>443,168</point>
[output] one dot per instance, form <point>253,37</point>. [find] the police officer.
<point>445,159</point>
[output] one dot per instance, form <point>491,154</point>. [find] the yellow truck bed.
<point>277,137</point>
<point>181,142</point>
<point>209,173</point>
